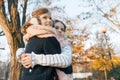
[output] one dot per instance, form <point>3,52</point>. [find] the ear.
<point>34,21</point>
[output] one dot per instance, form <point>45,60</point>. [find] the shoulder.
<point>68,44</point>
<point>35,38</point>
<point>51,40</point>
<point>36,41</point>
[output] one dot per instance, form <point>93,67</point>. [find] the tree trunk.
<point>14,65</point>
<point>11,28</point>
<point>14,41</point>
<point>105,73</point>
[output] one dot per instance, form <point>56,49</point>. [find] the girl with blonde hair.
<point>54,60</point>
<point>40,38</point>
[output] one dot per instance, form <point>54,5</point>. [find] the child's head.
<point>40,16</point>
<point>61,24</point>
<point>43,16</point>
<point>60,28</point>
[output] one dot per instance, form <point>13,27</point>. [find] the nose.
<point>59,30</point>
<point>49,21</point>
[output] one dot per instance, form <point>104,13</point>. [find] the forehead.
<point>45,15</point>
<point>59,24</point>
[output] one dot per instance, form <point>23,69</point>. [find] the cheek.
<point>42,22</point>
<point>60,34</point>
<point>52,23</point>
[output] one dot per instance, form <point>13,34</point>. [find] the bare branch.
<point>2,11</point>
<point>2,48</point>
<point>107,16</point>
<point>113,12</point>
<point>2,33</point>
<point>24,11</point>
<point>14,14</point>
<point>3,7</point>
<point>3,19</point>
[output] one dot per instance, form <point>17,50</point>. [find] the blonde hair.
<point>35,14</point>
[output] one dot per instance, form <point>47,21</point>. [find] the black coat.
<point>48,45</point>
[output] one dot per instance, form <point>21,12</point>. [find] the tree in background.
<point>105,59</point>
<point>10,23</point>
<point>112,14</point>
<point>79,60</point>
<point>97,56</point>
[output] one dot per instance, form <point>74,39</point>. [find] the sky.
<point>73,8</point>
<point>4,54</point>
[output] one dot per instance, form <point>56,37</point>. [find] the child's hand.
<point>26,60</point>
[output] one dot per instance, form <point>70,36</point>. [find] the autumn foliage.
<point>100,56</point>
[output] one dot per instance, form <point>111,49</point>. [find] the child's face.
<point>59,29</point>
<point>45,19</point>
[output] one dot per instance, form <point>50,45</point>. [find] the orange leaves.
<point>116,60</point>
<point>91,56</point>
<point>68,31</point>
<point>77,48</point>
<point>102,63</point>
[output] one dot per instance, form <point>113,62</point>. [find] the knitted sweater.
<point>56,60</point>
<point>46,44</point>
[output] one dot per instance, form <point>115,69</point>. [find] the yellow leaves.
<point>91,56</point>
<point>116,60</point>
<point>68,31</point>
<point>80,59</point>
<point>102,64</point>
<point>77,48</point>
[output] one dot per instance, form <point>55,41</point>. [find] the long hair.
<point>35,14</point>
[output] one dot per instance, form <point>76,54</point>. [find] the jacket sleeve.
<point>19,52</point>
<point>55,60</point>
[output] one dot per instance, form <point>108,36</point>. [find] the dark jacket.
<point>67,70</point>
<point>40,46</point>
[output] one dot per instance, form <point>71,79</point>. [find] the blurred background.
<point>93,28</point>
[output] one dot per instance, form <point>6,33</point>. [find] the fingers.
<point>27,66</point>
<point>24,55</point>
<point>26,60</point>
